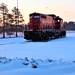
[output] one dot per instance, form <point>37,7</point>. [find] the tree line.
<point>10,22</point>
<point>69,25</point>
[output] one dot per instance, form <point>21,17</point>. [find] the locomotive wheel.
<point>46,38</point>
<point>34,39</point>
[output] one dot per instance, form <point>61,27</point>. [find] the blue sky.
<point>62,8</point>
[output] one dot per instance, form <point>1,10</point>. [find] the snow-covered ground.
<point>21,57</point>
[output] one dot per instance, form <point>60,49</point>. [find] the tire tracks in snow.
<point>7,43</point>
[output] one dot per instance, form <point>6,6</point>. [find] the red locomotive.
<point>44,27</point>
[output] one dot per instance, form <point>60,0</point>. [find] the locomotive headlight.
<point>58,20</point>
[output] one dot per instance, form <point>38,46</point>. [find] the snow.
<point>21,57</point>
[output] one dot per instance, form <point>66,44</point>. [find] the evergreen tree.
<point>4,12</point>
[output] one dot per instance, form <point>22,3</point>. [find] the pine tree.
<point>17,18</point>
<point>4,12</point>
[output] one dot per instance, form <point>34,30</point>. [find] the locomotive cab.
<point>58,23</point>
<point>59,27</point>
<point>34,21</point>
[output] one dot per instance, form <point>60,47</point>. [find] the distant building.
<point>69,25</point>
